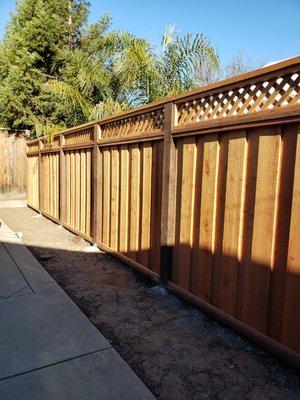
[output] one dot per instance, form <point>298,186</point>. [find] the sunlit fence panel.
<point>199,191</point>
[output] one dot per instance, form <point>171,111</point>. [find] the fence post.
<point>168,193</point>
<point>62,180</point>
<point>96,184</point>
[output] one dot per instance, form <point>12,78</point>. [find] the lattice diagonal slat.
<point>265,95</point>
<point>54,144</point>
<point>84,135</point>
<point>134,125</point>
<point>31,147</point>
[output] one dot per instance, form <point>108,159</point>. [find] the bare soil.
<point>177,350</point>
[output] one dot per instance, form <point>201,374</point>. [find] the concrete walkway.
<point>14,199</point>
<point>48,348</point>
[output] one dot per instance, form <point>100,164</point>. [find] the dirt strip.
<point>177,350</point>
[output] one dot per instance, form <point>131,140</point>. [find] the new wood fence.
<point>200,191</point>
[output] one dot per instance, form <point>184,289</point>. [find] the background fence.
<point>12,162</point>
<point>199,191</point>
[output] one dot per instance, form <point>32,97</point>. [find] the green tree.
<point>34,37</point>
<point>58,70</point>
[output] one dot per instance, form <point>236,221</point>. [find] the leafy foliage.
<point>57,70</point>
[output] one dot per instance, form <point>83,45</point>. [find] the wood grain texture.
<point>206,175</point>
<point>124,199</point>
<point>185,211</point>
<point>88,191</point>
<point>291,319</point>
<point>233,215</point>
<point>114,211</point>
<point>134,213</point>
<point>258,265</point>
<point>106,197</point>
<point>145,216</point>
<point>49,183</point>
<point>32,181</point>
<point>12,162</point>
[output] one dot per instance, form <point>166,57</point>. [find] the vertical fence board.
<point>88,191</point>
<point>232,223</point>
<point>146,205</point>
<point>68,187</point>
<point>124,199</point>
<point>291,320</point>
<point>98,193</point>
<point>77,189</point>
<point>83,180</point>
<point>106,197</point>
<point>183,245</point>
<point>206,173</point>
<point>156,207</point>
<point>218,225</point>
<point>72,189</point>
<point>258,267</point>
<point>282,228</point>
<point>42,184</point>
<point>57,185</point>
<point>134,214</point>
<point>32,181</point>
<point>49,191</point>
<point>114,211</point>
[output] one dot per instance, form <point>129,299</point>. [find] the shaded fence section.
<point>199,191</point>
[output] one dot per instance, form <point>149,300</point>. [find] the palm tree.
<point>179,66</point>
<point>115,71</point>
<point>184,59</point>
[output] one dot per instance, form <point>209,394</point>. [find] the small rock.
<point>92,249</point>
<point>20,235</point>
<point>78,239</point>
<point>46,256</point>
<point>37,216</point>
<point>159,290</point>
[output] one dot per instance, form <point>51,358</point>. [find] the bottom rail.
<point>254,335</point>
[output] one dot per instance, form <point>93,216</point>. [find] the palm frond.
<point>107,108</point>
<point>168,36</point>
<point>70,95</point>
<point>182,60</point>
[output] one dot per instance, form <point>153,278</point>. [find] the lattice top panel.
<point>264,95</point>
<point>84,135</point>
<point>54,144</point>
<point>134,125</point>
<point>34,146</point>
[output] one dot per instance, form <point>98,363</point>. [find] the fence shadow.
<point>226,298</point>
<point>164,339</point>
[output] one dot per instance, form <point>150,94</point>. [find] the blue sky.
<point>266,30</point>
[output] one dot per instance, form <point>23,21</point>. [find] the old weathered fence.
<point>199,191</point>
<point>12,162</point>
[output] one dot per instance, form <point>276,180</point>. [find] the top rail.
<point>268,88</point>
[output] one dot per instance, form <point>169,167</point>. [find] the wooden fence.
<point>12,162</point>
<point>200,191</point>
